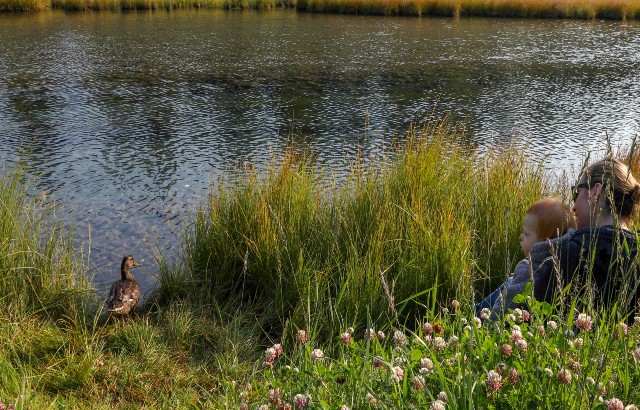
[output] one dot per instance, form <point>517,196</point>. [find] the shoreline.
<point>536,9</point>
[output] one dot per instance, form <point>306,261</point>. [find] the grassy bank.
<point>557,9</point>
<point>299,248</point>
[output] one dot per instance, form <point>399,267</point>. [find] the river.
<point>127,118</point>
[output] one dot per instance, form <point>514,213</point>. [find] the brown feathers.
<point>125,293</point>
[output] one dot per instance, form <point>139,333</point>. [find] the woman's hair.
<point>621,188</point>
<point>553,218</point>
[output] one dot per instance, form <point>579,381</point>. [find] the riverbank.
<point>553,9</point>
<point>296,288</point>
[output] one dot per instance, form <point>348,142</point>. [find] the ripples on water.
<point>129,116</point>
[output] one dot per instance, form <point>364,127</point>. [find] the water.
<point>130,116</point>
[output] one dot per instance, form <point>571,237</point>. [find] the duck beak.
<point>135,263</point>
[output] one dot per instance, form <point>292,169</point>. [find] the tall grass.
<point>573,9</point>
<point>304,248</point>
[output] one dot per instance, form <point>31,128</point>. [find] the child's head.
<point>546,219</point>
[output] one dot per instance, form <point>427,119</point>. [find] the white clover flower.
<point>442,396</point>
<point>317,355</point>
<point>439,343</point>
<point>397,374</point>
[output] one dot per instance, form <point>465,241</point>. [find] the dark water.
<point>129,116</point>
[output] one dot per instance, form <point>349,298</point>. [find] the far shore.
<point>544,9</point>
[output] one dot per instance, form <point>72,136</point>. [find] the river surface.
<point>128,117</point>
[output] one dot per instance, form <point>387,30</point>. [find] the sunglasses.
<point>576,189</point>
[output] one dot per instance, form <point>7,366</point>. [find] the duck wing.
<point>123,296</point>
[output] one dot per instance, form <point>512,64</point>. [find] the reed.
<point>161,4</point>
<point>435,213</point>
<point>571,9</point>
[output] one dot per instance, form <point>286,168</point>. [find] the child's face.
<point>528,236</point>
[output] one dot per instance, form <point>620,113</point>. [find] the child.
<point>546,219</point>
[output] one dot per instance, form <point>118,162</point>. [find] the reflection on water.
<point>129,116</point>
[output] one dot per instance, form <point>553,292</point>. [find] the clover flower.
<point>623,329</point>
<point>397,374</point>
<point>564,376</point>
<point>417,382</point>
<point>579,343</point>
<point>278,349</point>
<point>345,407</point>
<point>541,330</point>
<point>636,355</point>
<point>494,380</point>
<point>437,405</point>
<point>381,335</point>
<point>263,407</point>
<point>302,336</point>
<point>615,404</point>
<point>455,304</point>
<point>317,355</point>
<point>552,325</point>
<point>574,365</point>
<point>583,322</point>
<point>399,338</point>
<point>442,396</point>
<point>427,328</point>
<point>548,371</point>
<point>478,322</point>
<point>370,334</point>
<point>345,338</point>
<point>243,406</point>
<point>516,334</point>
<point>506,349</point>
<point>439,343</point>
<point>300,400</point>
<point>521,344</point>
<point>378,362</point>
<point>275,397</point>
<point>437,327</point>
<point>485,313</point>
<point>426,365</point>
<point>453,341</point>
<point>513,376</point>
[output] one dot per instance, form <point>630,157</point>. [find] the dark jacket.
<point>598,261</point>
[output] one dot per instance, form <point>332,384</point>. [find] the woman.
<point>598,260</point>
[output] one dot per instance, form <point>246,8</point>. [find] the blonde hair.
<point>621,187</point>
<point>553,218</point>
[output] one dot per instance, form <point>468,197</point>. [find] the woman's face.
<point>585,204</point>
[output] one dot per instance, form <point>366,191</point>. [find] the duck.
<point>125,293</point>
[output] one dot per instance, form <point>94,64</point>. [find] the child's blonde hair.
<point>553,218</point>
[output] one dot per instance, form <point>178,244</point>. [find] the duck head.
<point>127,263</point>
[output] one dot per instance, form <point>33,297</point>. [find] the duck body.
<point>125,293</point>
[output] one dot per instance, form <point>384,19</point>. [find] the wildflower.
<point>381,335</point>
<point>278,349</point>
<point>631,407</point>
<point>427,328</point>
<point>464,321</point>
<point>526,315</point>
<point>442,396</point>
<point>455,304</point>
<point>275,396</point>
<point>263,407</point>
<point>437,405</point>
<point>552,325</point>
<point>371,399</point>
<point>426,364</point>
<point>574,365</point>
<point>521,344</point>
<point>467,328</point>
<point>564,375</point>
<point>350,330</point>
<point>453,341</point>
<point>518,315</point>
<point>636,320</point>
<point>243,406</point>
<point>541,330</point>
<point>513,376</point>
<point>428,339</point>
<point>478,322</point>
<point>397,374</point>
<point>345,407</point>
<point>511,317</point>
<point>615,404</point>
<point>270,354</point>
<point>377,361</point>
<point>516,334</point>
<point>300,400</point>
<point>437,327</point>
<point>506,349</point>
<point>583,322</point>
<point>399,338</point>
<point>346,338</point>
<point>370,334</point>
<point>302,336</point>
<point>399,361</point>
<point>317,355</point>
<point>439,343</point>
<point>494,380</point>
<point>418,383</point>
<point>548,371</point>
<point>579,343</point>
<point>485,313</point>
<point>636,355</point>
<point>445,311</point>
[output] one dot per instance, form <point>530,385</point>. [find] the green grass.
<point>302,247</point>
